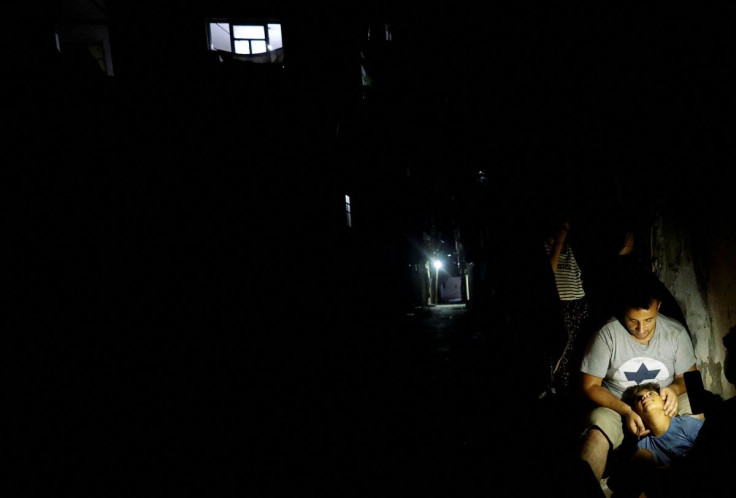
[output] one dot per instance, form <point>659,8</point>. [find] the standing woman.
<point>575,307</point>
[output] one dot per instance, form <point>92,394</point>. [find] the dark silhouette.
<point>713,453</point>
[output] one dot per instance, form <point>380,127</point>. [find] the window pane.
<point>258,47</point>
<point>242,47</point>
<point>249,32</point>
<point>274,37</point>
<point>220,36</point>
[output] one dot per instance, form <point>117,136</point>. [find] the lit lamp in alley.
<point>437,265</point>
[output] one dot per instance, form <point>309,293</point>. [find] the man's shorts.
<point>612,425</point>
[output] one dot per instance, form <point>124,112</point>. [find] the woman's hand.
<point>628,246</point>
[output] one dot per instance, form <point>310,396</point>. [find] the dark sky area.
<point>608,106</point>
<point>611,104</point>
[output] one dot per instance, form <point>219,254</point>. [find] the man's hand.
<point>636,425</point>
<point>671,404</point>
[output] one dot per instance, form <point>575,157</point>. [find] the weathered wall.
<point>694,254</point>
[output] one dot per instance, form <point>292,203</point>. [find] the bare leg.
<point>594,450</point>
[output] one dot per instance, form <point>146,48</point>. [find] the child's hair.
<point>630,393</point>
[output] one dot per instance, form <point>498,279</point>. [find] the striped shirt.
<point>568,275</point>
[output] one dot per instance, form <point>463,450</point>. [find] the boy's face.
<point>648,400</point>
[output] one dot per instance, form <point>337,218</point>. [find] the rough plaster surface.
<point>699,270</point>
<point>722,302</point>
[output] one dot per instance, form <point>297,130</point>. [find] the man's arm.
<point>594,390</point>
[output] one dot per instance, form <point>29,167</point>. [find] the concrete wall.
<point>694,254</point>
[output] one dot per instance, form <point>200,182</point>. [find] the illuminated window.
<point>253,41</point>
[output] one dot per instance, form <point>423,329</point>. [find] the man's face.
<point>641,322</point>
<point>648,400</point>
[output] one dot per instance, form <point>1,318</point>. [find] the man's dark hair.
<point>630,393</point>
<point>638,289</point>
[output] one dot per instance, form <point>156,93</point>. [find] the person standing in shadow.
<point>573,301</point>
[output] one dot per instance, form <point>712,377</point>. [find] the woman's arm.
<point>559,243</point>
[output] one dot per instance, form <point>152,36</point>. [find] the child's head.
<point>643,397</point>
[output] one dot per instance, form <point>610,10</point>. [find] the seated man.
<point>662,441</point>
<point>639,344</point>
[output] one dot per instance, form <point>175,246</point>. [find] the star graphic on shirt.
<point>642,374</point>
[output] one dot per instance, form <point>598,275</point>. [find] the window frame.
<point>271,55</point>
